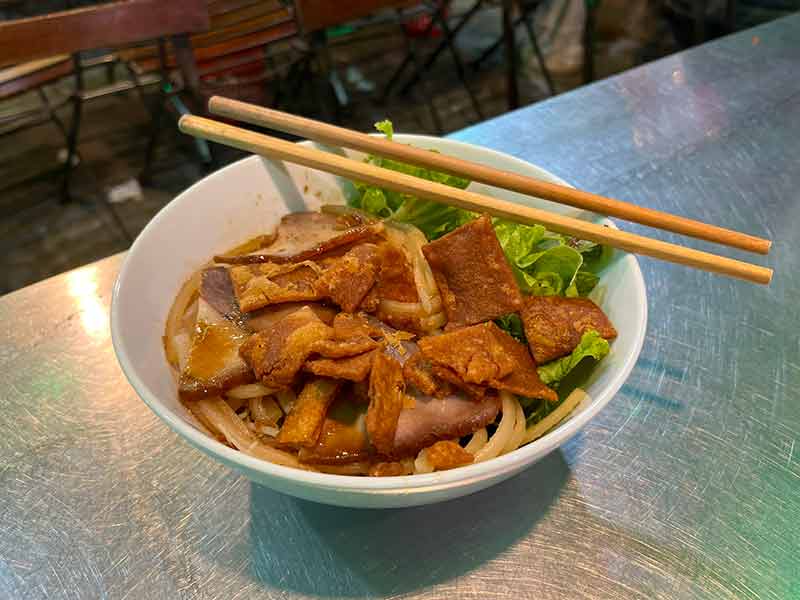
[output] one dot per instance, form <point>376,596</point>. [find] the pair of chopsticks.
<point>367,173</point>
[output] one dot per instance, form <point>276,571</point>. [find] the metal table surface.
<point>685,486</point>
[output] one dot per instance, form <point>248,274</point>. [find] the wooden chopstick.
<point>360,171</point>
<point>339,136</point>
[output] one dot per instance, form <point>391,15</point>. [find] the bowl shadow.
<point>329,551</point>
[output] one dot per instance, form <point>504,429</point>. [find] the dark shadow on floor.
<point>328,551</point>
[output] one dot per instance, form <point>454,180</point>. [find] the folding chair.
<point>232,57</point>
<point>104,26</point>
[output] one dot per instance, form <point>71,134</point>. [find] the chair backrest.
<point>238,32</point>
<point>103,26</point>
<point>314,15</point>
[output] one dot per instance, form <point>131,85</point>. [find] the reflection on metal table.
<point>685,486</point>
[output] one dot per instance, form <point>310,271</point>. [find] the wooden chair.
<point>235,57</point>
<point>33,76</point>
<point>104,26</point>
<point>315,16</point>
<point>525,10</point>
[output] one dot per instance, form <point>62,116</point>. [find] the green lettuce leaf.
<point>592,345</point>
<point>544,262</point>
<point>432,218</point>
<point>584,282</point>
<point>512,325</point>
<point>386,128</point>
<point>551,272</point>
<point>519,242</point>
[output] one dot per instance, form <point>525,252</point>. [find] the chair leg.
<point>52,115</point>
<point>449,38</point>
<point>320,52</point>
<point>538,51</point>
<point>438,17</point>
<point>157,114</point>
<point>411,52</point>
<point>75,125</point>
<point>152,141</point>
<point>409,60</point>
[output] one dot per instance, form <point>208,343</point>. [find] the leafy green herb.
<point>590,346</point>
<point>545,263</point>
<point>537,409</point>
<point>512,325</point>
<point>386,128</point>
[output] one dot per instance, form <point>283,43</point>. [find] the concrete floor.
<point>40,237</point>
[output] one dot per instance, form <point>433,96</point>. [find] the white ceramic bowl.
<point>246,199</point>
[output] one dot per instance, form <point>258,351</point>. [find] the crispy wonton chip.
<point>387,394</point>
<point>347,279</point>
<point>417,371</point>
<point>277,354</point>
<point>473,275</point>
<point>485,355</point>
<point>554,325</point>
<point>260,285</point>
<point>303,425</point>
<point>447,455</point>
<point>352,368</point>
<point>344,435</point>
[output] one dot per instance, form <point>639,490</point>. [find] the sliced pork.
<point>213,364</point>
<point>307,235</point>
<point>434,419</point>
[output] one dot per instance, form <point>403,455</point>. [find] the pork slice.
<point>213,364</point>
<point>307,235</point>
<point>216,288</point>
<point>434,419</point>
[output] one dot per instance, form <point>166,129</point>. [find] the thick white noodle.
<point>433,322</point>
<point>356,468</point>
<point>422,465</point>
<point>249,390</point>
<point>477,441</point>
<point>176,313</point>
<point>504,430</point>
<point>181,344</point>
<point>217,412</point>
<point>236,403</point>
<point>401,309</point>
<point>411,240</point>
<point>554,418</point>
<point>286,400</point>
<point>264,410</point>
<point>519,429</point>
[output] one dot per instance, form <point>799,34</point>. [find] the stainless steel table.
<point>686,486</point>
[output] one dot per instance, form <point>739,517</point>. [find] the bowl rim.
<point>440,480</point>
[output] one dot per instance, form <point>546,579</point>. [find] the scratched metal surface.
<point>686,486</point>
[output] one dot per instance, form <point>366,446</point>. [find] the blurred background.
<point>89,149</point>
